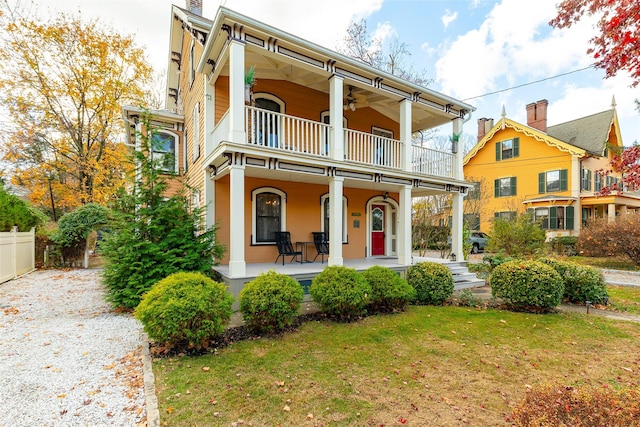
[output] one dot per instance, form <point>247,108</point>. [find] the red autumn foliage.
<point>605,238</point>
<point>617,45</point>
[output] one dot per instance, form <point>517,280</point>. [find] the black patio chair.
<point>285,248</point>
<point>321,243</point>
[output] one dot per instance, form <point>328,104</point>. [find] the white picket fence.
<point>17,253</point>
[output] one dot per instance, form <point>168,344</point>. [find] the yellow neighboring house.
<point>551,170</point>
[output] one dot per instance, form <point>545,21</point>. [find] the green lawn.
<point>614,263</point>
<point>428,366</point>
<point>624,298</point>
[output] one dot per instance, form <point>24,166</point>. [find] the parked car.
<point>478,241</point>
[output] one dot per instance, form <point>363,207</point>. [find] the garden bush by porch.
<point>390,292</point>
<point>271,302</point>
<point>341,292</point>
<point>432,281</point>
<point>185,310</point>
<point>527,284</point>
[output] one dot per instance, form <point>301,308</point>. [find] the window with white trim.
<point>268,214</point>
<point>326,220</point>
<point>163,148</point>
<point>504,187</point>
<point>552,181</point>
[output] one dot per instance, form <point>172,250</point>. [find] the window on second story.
<point>586,180</point>
<point>164,151</point>
<point>597,182</point>
<point>507,149</point>
<point>505,215</point>
<point>505,187</point>
<point>192,63</point>
<point>552,181</point>
<point>611,181</point>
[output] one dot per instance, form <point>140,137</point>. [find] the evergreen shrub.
<point>271,302</point>
<point>185,310</point>
<point>389,291</point>
<point>527,284</point>
<point>582,283</point>
<point>432,281</point>
<point>341,292</point>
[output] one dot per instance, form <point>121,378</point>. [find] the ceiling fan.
<point>353,101</point>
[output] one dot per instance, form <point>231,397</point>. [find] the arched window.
<point>269,214</point>
<point>267,124</point>
<point>163,150</point>
<point>326,220</point>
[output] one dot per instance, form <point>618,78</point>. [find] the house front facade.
<point>270,129</point>
<point>549,170</point>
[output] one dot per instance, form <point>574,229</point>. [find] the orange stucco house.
<point>312,127</point>
<point>550,170</point>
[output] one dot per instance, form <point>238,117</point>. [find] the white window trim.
<point>176,156</point>
<point>192,62</point>
<point>344,216</point>
<point>283,211</point>
<point>270,97</point>
<point>385,133</point>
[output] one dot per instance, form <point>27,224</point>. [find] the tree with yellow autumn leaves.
<point>62,83</point>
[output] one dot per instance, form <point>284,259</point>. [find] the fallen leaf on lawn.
<point>626,369</point>
<point>212,401</point>
<point>286,408</point>
<point>107,367</point>
<point>453,332</point>
<point>310,416</point>
<point>62,395</point>
<point>503,321</point>
<point>279,383</point>
<point>169,409</point>
<point>206,368</point>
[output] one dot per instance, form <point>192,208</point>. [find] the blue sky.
<point>469,48</point>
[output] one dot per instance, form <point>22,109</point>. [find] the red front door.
<point>377,230</point>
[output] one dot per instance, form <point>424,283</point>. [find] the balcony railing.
<point>427,161</point>
<point>287,133</point>
<point>293,134</point>
<point>372,149</point>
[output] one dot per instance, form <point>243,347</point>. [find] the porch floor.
<point>295,268</point>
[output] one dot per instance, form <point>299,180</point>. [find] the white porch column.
<point>405,135</point>
<point>335,213</point>
<point>576,175</point>
<point>457,208</point>
<point>237,265</point>
<point>236,92</point>
<point>336,132</point>
<point>209,200</point>
<point>209,115</point>
<point>404,226</point>
<point>611,212</point>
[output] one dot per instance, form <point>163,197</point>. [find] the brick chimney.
<point>537,115</point>
<point>195,7</point>
<point>484,126</point>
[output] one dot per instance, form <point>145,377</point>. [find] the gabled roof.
<point>529,131</point>
<point>589,133</point>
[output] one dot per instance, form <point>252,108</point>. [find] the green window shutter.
<point>496,215</point>
<point>516,147</point>
<point>553,218</point>
<point>496,187</point>
<point>541,185</point>
<point>498,151</point>
<point>513,185</point>
<point>563,180</point>
<point>590,179</point>
<point>568,217</point>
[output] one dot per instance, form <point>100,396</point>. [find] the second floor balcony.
<point>289,134</point>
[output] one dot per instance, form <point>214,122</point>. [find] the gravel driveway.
<point>66,359</point>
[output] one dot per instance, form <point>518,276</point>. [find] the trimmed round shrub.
<point>271,302</point>
<point>432,281</point>
<point>582,283</point>
<point>389,291</point>
<point>185,310</point>
<point>340,292</point>
<point>527,284</point>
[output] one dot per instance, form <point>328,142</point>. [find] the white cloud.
<point>449,17</point>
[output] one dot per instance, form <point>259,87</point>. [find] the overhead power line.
<point>530,83</point>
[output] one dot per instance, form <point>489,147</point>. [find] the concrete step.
<point>462,278</point>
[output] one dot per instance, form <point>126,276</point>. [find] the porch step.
<point>462,277</point>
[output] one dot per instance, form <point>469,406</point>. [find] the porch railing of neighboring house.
<point>372,149</point>
<point>284,132</point>
<point>427,161</point>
